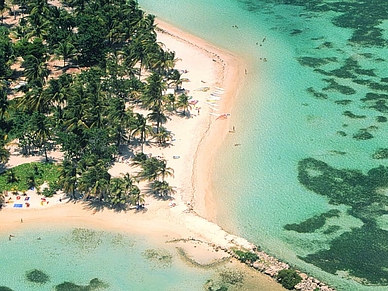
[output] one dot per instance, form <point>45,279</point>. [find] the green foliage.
<point>4,288</point>
<point>288,278</point>
<point>246,256</point>
<point>24,176</point>
<point>48,192</point>
<point>37,276</point>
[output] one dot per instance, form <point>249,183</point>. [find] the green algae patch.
<point>335,86</point>
<point>37,276</point>
<point>160,257</point>
<point>316,94</point>
<point>352,115</point>
<point>343,102</point>
<point>94,284</point>
<point>85,239</point>
<point>4,288</point>
<point>362,134</point>
<point>226,279</point>
<point>331,229</point>
<point>312,224</point>
<point>313,62</point>
<point>380,154</point>
<point>362,253</point>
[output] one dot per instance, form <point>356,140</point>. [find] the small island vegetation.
<point>107,92</point>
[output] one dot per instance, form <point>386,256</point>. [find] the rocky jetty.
<point>267,264</point>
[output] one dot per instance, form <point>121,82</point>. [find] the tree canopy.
<point>88,115</point>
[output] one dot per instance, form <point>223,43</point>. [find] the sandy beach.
<point>196,139</point>
<point>206,69</point>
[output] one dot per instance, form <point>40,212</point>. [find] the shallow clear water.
<point>321,96</point>
<point>78,255</point>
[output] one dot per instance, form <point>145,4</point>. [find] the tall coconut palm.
<point>156,115</point>
<point>4,103</point>
<point>163,136</point>
<point>137,197</point>
<point>138,52</point>
<point>117,197</point>
<point>132,190</point>
<point>138,159</point>
<point>141,128</point>
<point>153,169</point>
<point>94,180</point>
<point>65,50</point>
<point>119,118</point>
<point>183,103</point>
<point>35,100</point>
<point>164,171</point>
<point>42,130</point>
<point>162,188</point>
<point>4,153</point>
<point>36,71</point>
<point>153,93</point>
<point>67,179</point>
<point>174,78</point>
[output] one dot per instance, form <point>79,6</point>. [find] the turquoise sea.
<point>309,182</point>
<point>44,258</point>
<point>81,257</point>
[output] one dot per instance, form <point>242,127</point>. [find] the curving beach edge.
<point>191,217</point>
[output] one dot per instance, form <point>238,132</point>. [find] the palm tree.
<point>163,136</point>
<point>175,78</point>
<point>141,128</point>
<point>67,179</point>
<point>4,103</point>
<point>42,131</point>
<point>94,180</point>
<point>117,195</point>
<point>139,159</point>
<point>4,153</point>
<point>35,100</point>
<point>3,7</point>
<point>153,169</point>
<point>156,115</point>
<point>38,27</point>
<point>36,71</point>
<point>131,190</point>
<point>164,171</point>
<point>2,200</point>
<point>183,102</point>
<point>65,50</point>
<point>153,93</point>
<point>137,197</point>
<point>170,102</point>
<point>162,188</point>
<point>119,119</point>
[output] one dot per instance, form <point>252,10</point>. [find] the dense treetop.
<point>91,114</point>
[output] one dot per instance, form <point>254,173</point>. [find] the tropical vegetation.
<point>107,91</point>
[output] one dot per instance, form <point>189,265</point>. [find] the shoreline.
<point>230,76</point>
<point>179,222</point>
